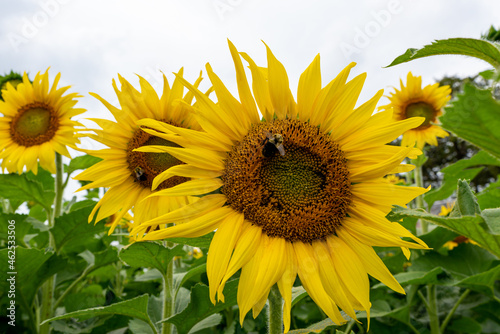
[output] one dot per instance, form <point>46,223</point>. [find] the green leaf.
<point>475,117</point>
<point>468,226</point>
<point>181,278</point>
<point>298,293</point>
<point>30,268</point>
<point>477,48</point>
<point>462,169</point>
<point>21,188</point>
<point>17,226</point>
<point>201,242</point>
<point>134,308</point>
<point>43,177</point>
<point>416,277</point>
<point>492,219</point>
<point>200,306</point>
<point>81,162</point>
<point>211,321</point>
<point>483,282</point>
<point>149,255</point>
<point>72,231</point>
<point>318,327</point>
<point>489,197</point>
<point>465,325</point>
<point>466,204</point>
<point>90,296</point>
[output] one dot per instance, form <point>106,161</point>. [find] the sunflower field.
<point>269,209</point>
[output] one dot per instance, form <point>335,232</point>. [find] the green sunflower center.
<point>34,124</point>
<point>145,166</point>
<point>301,193</point>
<point>421,109</point>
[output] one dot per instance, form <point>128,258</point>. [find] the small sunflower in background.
<point>129,174</point>
<point>414,101</point>
<point>36,123</point>
<point>299,192</point>
<point>13,78</point>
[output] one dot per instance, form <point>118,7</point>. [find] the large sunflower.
<point>414,101</point>
<point>300,192</point>
<point>128,174</point>
<point>36,123</point>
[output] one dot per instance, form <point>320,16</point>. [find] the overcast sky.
<point>91,41</point>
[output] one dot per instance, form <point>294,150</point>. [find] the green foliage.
<point>475,117</point>
<point>485,50</point>
<point>25,188</point>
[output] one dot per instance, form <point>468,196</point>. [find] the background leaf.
<point>135,308</point>
<point>150,254</point>
<point>81,162</point>
<point>475,117</point>
<point>477,48</point>
<point>23,188</point>
<point>200,306</point>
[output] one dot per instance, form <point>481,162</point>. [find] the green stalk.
<point>433,311</point>
<point>168,294</point>
<point>452,311</point>
<point>48,287</point>
<point>419,182</point>
<point>275,316</point>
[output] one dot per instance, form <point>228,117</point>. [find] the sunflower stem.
<point>419,182</point>
<point>48,287</point>
<point>168,299</point>
<point>452,311</point>
<point>432,310</point>
<point>275,316</point>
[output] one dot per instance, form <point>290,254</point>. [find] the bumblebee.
<point>271,144</point>
<point>140,175</point>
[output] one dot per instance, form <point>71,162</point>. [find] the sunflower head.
<point>36,123</point>
<point>414,101</point>
<point>293,187</point>
<point>129,173</point>
<point>13,78</point>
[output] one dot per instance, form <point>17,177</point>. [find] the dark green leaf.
<point>201,307</point>
<point>202,242</point>
<point>20,188</point>
<point>477,48</point>
<point>468,226</point>
<point>43,177</point>
<point>81,162</point>
<point>72,231</point>
<point>208,322</point>
<point>149,255</point>
<point>438,237</point>
<point>462,169</point>
<point>181,278</point>
<point>90,296</point>
<point>30,269</point>
<point>137,326</point>
<point>475,117</point>
<point>416,277</point>
<point>483,282</point>
<point>465,325</point>
<point>135,308</point>
<point>16,226</point>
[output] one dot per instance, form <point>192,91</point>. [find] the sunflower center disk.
<point>302,195</point>
<point>145,166</point>
<point>34,124</point>
<point>421,109</point>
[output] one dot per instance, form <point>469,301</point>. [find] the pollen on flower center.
<point>421,109</point>
<point>302,195</point>
<point>34,124</point>
<point>145,166</point>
